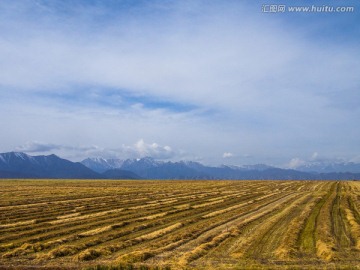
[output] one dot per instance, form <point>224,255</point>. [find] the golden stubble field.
<point>92,224</point>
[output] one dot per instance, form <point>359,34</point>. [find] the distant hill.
<point>150,168</point>
<point>330,167</point>
<point>120,174</point>
<point>21,165</point>
<point>101,165</point>
<point>15,165</point>
<point>9,174</point>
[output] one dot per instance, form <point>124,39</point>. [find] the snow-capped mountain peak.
<point>257,167</point>
<point>7,157</point>
<point>100,165</point>
<point>19,165</point>
<point>327,167</point>
<point>141,162</point>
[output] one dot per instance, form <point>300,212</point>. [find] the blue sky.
<point>218,82</point>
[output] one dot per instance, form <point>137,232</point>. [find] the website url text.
<point>307,9</point>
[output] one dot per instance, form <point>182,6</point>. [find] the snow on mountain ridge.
<point>259,167</point>
<point>145,161</point>
<point>99,164</point>
<point>6,157</point>
<point>16,165</point>
<point>325,167</point>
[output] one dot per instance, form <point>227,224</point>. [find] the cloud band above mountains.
<point>205,77</point>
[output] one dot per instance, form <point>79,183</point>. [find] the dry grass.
<point>135,256</point>
<point>355,227</point>
<point>183,224</point>
<point>325,242</point>
<point>159,233</point>
<point>182,206</point>
<point>202,249</point>
<point>17,224</point>
<point>287,248</point>
<point>207,204</point>
<point>143,206</point>
<point>69,216</point>
<point>96,231</point>
<point>77,218</point>
<point>60,252</point>
<point>231,208</point>
<point>152,216</point>
<point>257,239</point>
<point>90,254</point>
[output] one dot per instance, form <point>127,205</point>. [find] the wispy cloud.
<point>38,147</point>
<point>138,150</point>
<point>317,159</point>
<point>196,75</point>
<point>153,150</point>
<point>295,163</point>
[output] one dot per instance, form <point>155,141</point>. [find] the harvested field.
<point>94,224</point>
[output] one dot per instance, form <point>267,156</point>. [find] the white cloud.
<point>295,163</point>
<point>314,156</point>
<point>66,151</point>
<point>355,159</point>
<point>269,83</point>
<point>320,160</point>
<point>37,147</point>
<point>138,150</point>
<point>153,150</point>
<point>228,155</point>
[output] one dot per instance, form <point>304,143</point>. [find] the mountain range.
<point>21,165</point>
<point>327,167</point>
